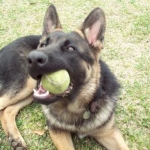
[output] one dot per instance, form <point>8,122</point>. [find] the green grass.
<point>127,51</point>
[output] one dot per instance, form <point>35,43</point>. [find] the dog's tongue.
<point>41,89</point>
<point>40,92</point>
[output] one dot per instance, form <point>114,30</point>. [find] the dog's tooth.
<point>47,93</point>
<point>35,91</point>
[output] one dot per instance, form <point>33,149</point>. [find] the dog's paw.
<point>16,145</point>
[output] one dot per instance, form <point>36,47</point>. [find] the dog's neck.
<point>80,103</point>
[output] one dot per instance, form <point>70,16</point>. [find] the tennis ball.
<point>56,82</point>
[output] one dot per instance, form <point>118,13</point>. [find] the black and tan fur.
<point>16,85</point>
<point>94,87</point>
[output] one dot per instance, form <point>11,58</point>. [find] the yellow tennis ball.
<point>56,82</point>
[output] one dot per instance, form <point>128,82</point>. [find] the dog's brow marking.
<point>80,33</point>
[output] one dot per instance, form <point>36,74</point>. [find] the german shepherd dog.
<point>87,107</point>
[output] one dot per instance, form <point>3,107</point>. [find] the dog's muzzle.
<point>37,63</point>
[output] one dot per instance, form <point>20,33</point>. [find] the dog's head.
<point>77,52</point>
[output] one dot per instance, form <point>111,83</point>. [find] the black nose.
<point>37,60</point>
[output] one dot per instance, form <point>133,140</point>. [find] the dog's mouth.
<point>41,95</point>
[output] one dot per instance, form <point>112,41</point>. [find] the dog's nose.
<point>37,60</point>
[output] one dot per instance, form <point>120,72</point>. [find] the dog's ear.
<point>94,27</point>
<point>51,21</point>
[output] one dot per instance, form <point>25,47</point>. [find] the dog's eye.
<point>42,45</point>
<point>70,48</point>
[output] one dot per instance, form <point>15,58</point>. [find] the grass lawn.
<point>127,52</point>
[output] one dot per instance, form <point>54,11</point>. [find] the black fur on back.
<point>108,88</point>
<point>13,63</point>
<point>108,82</point>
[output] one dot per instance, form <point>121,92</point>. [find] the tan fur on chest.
<point>64,119</point>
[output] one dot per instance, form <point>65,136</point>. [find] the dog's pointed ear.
<point>94,27</point>
<point>51,21</point>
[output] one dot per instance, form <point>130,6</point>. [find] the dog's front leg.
<point>112,140</point>
<point>110,137</point>
<point>62,139</point>
<point>7,117</point>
